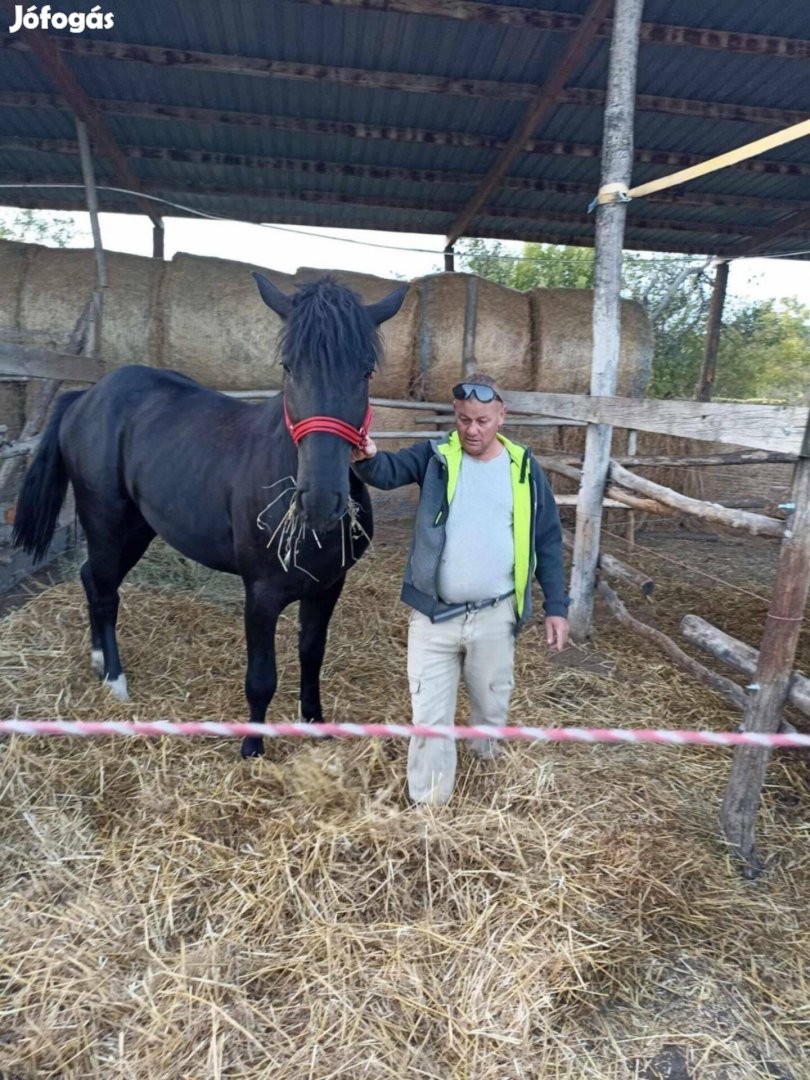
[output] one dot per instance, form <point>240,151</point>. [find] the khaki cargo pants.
<point>481,645</point>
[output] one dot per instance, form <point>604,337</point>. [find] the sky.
<point>285,248</point>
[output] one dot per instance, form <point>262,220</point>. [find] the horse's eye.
<point>286,369</point>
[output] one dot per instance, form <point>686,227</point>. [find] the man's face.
<point>478,424</point>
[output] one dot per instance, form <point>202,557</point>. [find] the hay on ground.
<point>168,910</point>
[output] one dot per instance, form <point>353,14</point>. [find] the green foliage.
<point>764,346</point>
<point>30,227</point>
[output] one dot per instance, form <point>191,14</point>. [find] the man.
<point>486,521</point>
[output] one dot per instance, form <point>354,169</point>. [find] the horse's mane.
<point>329,329</point>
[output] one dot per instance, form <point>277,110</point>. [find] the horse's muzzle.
<point>321,510</point>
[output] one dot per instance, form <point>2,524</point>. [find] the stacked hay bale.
<point>203,316</point>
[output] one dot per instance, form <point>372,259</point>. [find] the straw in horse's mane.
<point>329,329</point>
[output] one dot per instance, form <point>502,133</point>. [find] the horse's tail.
<point>43,490</point>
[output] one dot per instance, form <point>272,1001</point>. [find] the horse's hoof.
<point>97,662</point>
<point>252,747</point>
<point>118,687</point>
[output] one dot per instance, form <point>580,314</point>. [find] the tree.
<point>765,346</point>
<point>31,227</point>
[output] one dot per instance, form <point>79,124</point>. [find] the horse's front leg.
<point>314,616</point>
<point>263,605</point>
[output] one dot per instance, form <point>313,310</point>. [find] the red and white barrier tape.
<point>403,731</point>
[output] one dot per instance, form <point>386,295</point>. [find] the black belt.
<point>464,609</point>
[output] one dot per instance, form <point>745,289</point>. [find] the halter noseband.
<point>329,424</point>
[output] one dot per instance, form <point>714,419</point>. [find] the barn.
<point>576,910</point>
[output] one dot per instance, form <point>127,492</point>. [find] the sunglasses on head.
<point>463,391</point>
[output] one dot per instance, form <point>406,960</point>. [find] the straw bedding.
<point>167,910</point>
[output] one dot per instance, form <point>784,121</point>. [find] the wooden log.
<point>18,449</point>
<point>625,498</point>
<point>617,165</point>
<point>774,669</point>
<point>632,446</point>
<point>613,568</point>
<point>740,656</point>
<point>720,683</point>
<point>762,427</point>
<point>757,524</point>
<point>528,421</point>
<point>741,457</point>
<point>34,363</point>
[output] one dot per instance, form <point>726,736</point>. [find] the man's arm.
<point>388,469</point>
<point>548,548</point>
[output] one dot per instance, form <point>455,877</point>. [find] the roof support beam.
<point>323,219</point>
<point>580,96</point>
<point>532,19</point>
<point>424,205</point>
<point>545,101</point>
<point>430,206</point>
<point>48,54</point>
<point>796,223</point>
<point>551,149</point>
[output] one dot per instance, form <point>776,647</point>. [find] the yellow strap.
<point>610,193</point>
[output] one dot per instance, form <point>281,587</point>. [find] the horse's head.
<point>329,349</point>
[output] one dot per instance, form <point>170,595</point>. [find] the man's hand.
<point>556,632</point>
<point>362,453</point>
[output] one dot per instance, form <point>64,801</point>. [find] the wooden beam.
<point>777,653</point>
<point>762,427</point>
<point>544,147</point>
<point>614,568</point>
<point>47,50</point>
<point>262,67</point>
<point>740,457</point>
<point>636,240</point>
<point>583,97</point>
<point>426,177</point>
<point>545,101</point>
<point>535,19</point>
<point>617,165</point>
<point>795,223</point>
<point>323,197</point>
<point>740,656</point>
<point>756,524</point>
<point>33,363</point>
<point>705,384</point>
<point>720,683</point>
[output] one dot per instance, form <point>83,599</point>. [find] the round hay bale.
<point>58,284</point>
<point>563,320</point>
<point>216,327</point>
<point>502,334</point>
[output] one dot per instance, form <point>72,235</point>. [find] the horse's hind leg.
<point>111,555</point>
<point>314,619</point>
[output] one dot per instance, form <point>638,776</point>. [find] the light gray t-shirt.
<point>478,562</point>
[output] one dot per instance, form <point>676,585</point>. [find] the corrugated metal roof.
<point>278,148</point>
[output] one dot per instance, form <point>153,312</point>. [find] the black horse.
<point>152,452</point>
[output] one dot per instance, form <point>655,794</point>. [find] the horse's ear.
<point>388,306</point>
<point>273,297</point>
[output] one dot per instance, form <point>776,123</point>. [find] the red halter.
<point>331,425</point>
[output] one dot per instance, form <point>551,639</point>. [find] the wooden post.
<point>617,164</point>
<point>468,364</point>
<point>632,446</point>
<point>774,670</point>
<point>705,384</point>
<point>158,238</point>
<point>94,323</point>
<point>449,260</point>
